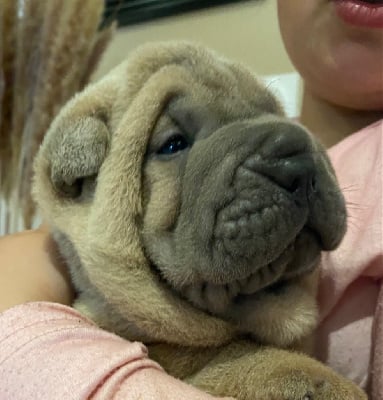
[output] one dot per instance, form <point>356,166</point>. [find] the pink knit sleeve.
<point>350,336</point>
<point>49,351</point>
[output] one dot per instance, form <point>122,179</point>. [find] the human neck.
<point>331,123</point>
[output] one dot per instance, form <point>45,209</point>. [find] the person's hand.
<point>31,270</point>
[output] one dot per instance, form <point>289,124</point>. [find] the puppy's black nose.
<point>287,159</point>
<point>295,174</point>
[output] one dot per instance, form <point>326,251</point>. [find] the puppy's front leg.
<point>249,372</point>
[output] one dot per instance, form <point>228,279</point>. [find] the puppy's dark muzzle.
<point>249,190</point>
<point>269,200</point>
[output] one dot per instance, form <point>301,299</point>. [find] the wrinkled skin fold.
<point>192,215</point>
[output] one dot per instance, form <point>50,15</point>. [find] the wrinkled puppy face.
<point>238,200</point>
<point>177,175</point>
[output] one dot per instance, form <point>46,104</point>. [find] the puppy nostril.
<point>313,185</point>
<point>294,186</point>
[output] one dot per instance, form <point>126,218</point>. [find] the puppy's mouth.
<point>299,258</point>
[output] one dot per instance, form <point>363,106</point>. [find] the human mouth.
<point>363,13</point>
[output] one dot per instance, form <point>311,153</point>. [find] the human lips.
<point>368,14</point>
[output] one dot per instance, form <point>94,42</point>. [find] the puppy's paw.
<point>316,383</point>
<point>76,151</point>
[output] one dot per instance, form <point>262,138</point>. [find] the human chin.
<point>356,63</point>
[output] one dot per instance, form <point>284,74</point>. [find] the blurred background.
<point>50,49</point>
<point>246,31</point>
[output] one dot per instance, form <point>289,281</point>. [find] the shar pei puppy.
<point>192,214</point>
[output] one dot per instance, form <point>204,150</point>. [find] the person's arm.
<point>50,351</point>
<point>30,270</point>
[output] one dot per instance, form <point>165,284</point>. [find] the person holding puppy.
<point>338,54</point>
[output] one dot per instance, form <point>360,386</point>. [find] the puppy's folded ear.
<point>76,144</point>
<point>76,149</point>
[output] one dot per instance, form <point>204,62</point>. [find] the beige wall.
<point>247,32</point>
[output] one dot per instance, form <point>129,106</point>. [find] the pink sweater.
<point>51,352</point>
<point>350,337</point>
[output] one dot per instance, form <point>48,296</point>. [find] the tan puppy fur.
<point>205,251</point>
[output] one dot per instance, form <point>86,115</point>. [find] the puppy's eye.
<point>173,145</point>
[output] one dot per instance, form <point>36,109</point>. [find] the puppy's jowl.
<point>192,214</point>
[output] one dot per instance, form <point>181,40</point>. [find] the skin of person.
<point>337,47</point>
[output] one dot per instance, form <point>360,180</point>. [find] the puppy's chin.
<point>299,259</point>
<point>280,314</point>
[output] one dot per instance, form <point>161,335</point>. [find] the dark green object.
<point>129,12</point>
